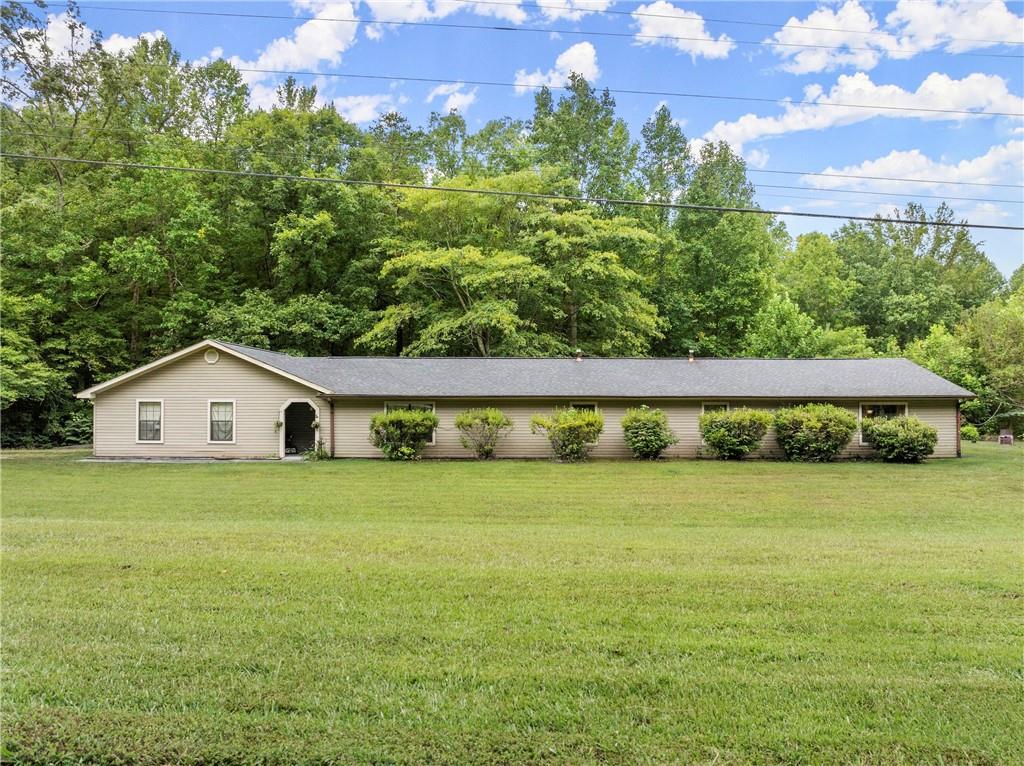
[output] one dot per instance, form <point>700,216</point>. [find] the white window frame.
<point>715,404</point>
<point>404,405</point>
<point>209,420</point>
<point>577,405</point>
<point>860,415</point>
<point>162,423</point>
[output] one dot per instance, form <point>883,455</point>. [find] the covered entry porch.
<point>299,427</point>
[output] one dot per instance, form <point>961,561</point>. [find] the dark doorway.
<point>299,433</point>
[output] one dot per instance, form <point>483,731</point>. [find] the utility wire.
<point>742,22</point>
<point>626,91</point>
<point>503,28</point>
<point>139,137</point>
<point>500,193</point>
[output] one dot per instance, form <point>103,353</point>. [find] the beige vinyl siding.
<point>186,387</point>
<point>352,419</point>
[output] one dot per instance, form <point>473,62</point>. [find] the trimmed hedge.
<point>900,440</point>
<point>572,432</point>
<point>646,432</point>
<point>814,433</point>
<point>733,434</point>
<point>402,434</point>
<point>481,429</point>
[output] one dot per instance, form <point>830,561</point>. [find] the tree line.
<point>106,268</point>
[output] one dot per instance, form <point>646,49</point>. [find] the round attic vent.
<point>211,356</point>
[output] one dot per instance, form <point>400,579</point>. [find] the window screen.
<point>150,417</point>
<point>222,421</point>
<point>882,410</point>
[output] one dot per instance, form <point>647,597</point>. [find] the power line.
<point>304,157</point>
<point>703,19</point>
<point>503,28</point>
<point>625,91</point>
<point>500,193</point>
<point>139,137</point>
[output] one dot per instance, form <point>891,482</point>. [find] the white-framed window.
<point>584,406</point>
<point>714,407</point>
<point>872,410</point>
<point>220,428</point>
<point>426,406</point>
<point>149,421</point>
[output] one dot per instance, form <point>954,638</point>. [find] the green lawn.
<point>513,612</point>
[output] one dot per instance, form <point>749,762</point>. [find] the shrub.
<point>571,432</point>
<point>481,429</point>
<point>732,434</point>
<point>814,433</point>
<point>900,440</point>
<point>402,434</point>
<point>316,453</point>
<point>647,433</point>
<point>970,433</point>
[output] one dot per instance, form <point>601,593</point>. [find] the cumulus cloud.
<point>64,38</point>
<point>427,10</point>
<point>1000,164</point>
<point>360,109</point>
<point>581,58</point>
<point>308,46</point>
<point>661,20</point>
<point>914,26</point>
<point>757,158</point>
<point>574,10</point>
<point>979,93</point>
<point>457,100</point>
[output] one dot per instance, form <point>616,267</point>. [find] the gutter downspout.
<point>957,428</point>
<point>331,401</point>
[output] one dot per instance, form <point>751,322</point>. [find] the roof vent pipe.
<point>691,354</point>
<point>579,355</point>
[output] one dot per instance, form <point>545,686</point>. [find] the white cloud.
<point>456,101</point>
<point>63,37</point>
<point>851,49</point>
<point>1000,164</point>
<point>426,10</point>
<point>574,10</point>
<point>665,21</point>
<point>913,27</point>
<point>930,24</point>
<point>361,109</point>
<point>309,44</point>
<point>581,58</point>
<point>979,93</point>
<point>757,158</point>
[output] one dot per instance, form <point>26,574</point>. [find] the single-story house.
<point>225,400</point>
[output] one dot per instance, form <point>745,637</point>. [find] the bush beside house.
<point>572,432</point>
<point>813,433</point>
<point>402,434</point>
<point>900,440</point>
<point>646,432</point>
<point>970,433</point>
<point>481,429</point>
<point>733,434</point>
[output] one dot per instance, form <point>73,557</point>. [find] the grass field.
<point>513,612</point>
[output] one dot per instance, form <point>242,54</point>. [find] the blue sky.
<point>922,54</point>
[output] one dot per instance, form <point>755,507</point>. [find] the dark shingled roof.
<point>488,378</point>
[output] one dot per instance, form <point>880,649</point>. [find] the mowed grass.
<point>513,612</point>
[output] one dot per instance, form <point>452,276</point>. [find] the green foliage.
<point>481,429</point>
<point>572,432</point>
<point>316,453</point>
<point>733,434</point>
<point>814,433</point>
<point>646,432</point>
<point>970,433</point>
<point>402,434</point>
<point>900,440</point>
